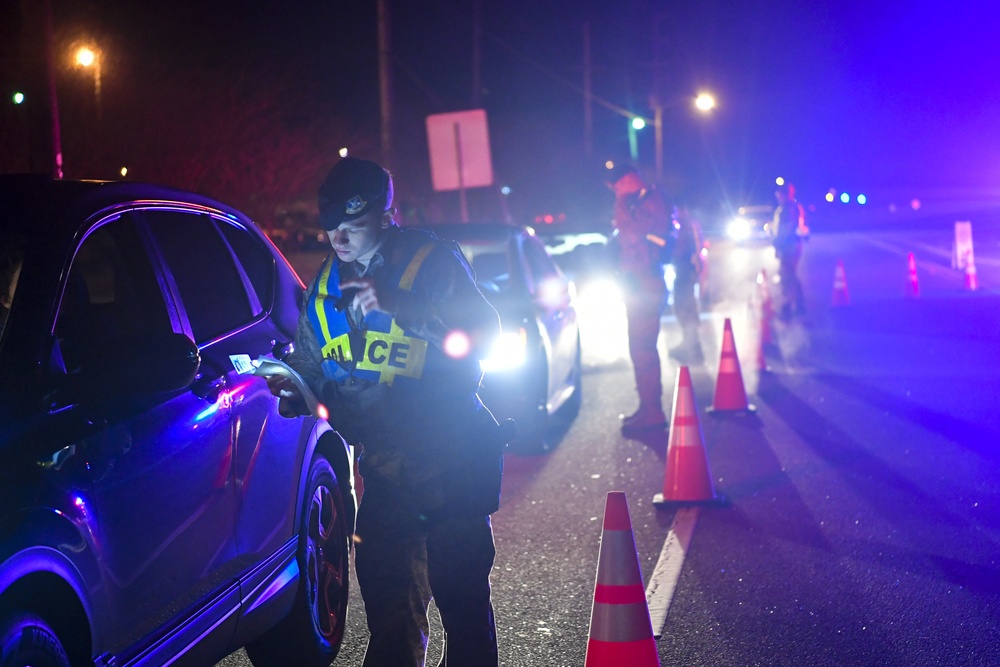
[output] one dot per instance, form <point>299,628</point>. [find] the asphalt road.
<point>861,522</point>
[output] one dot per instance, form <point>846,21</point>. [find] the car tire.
<point>27,641</point>
<point>311,634</point>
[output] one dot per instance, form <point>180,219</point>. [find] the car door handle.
<point>209,388</point>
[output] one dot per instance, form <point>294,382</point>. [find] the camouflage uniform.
<point>432,455</point>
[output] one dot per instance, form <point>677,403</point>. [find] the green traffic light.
<point>18,97</point>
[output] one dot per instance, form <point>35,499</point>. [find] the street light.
<point>635,124</point>
<point>91,57</point>
<point>704,102</point>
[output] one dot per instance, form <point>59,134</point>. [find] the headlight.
<point>509,351</point>
<point>738,229</point>
<point>595,296</point>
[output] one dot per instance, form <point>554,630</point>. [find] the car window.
<point>255,258</point>
<point>212,287</point>
<point>111,293</point>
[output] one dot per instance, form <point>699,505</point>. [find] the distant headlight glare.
<point>509,351</point>
<point>738,229</point>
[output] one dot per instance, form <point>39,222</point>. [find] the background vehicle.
<point>751,223</point>
<point>535,369</point>
<point>154,507</point>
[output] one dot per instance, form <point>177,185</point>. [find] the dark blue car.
<point>154,507</point>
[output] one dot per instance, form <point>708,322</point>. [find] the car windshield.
<point>490,262</point>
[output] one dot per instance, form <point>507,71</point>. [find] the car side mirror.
<point>135,365</point>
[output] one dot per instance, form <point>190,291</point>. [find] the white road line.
<point>663,581</point>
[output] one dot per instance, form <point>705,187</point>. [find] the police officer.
<point>643,239</point>
<point>789,230</point>
<point>389,339</point>
<point>688,263</point>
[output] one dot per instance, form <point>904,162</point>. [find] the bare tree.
<point>256,139</point>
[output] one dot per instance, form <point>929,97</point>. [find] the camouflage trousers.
<point>403,559</point>
<point>642,311</point>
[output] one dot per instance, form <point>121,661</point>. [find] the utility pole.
<point>477,42</point>
<point>588,102</point>
<point>42,106</point>
<point>385,79</point>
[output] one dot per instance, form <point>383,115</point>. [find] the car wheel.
<point>28,641</point>
<point>311,634</point>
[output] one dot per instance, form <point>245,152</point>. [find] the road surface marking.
<point>663,581</point>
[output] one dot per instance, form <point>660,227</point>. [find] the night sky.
<point>895,97</point>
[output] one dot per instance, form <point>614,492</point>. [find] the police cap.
<point>351,189</point>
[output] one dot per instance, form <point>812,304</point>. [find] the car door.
<point>159,496</point>
<point>225,278</point>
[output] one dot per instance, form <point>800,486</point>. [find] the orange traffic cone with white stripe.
<point>730,394</point>
<point>971,279</point>
<point>621,632</point>
<point>687,477</point>
<point>840,295</point>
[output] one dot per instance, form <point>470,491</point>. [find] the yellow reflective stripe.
<point>341,343</point>
<point>392,354</point>
<point>406,282</point>
<point>338,349</point>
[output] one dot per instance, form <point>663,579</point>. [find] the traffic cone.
<point>730,395</point>
<point>766,308</point>
<point>840,295</point>
<point>687,477</point>
<point>914,286</point>
<point>621,632</point>
<point>971,280</point>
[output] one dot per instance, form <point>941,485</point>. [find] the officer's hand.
<point>366,297</point>
<point>290,400</point>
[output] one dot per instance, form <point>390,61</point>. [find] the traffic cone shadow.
<point>687,478</point>
<point>730,393</point>
<point>841,297</point>
<point>621,632</point>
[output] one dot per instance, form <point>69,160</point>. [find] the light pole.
<point>91,58</point>
<point>704,102</point>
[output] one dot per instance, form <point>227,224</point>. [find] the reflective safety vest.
<point>382,350</point>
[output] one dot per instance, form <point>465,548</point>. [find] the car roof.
<point>476,231</point>
<point>38,206</point>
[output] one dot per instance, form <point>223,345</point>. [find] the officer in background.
<point>688,264</point>
<point>389,339</point>
<point>789,230</point>
<point>643,239</point>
